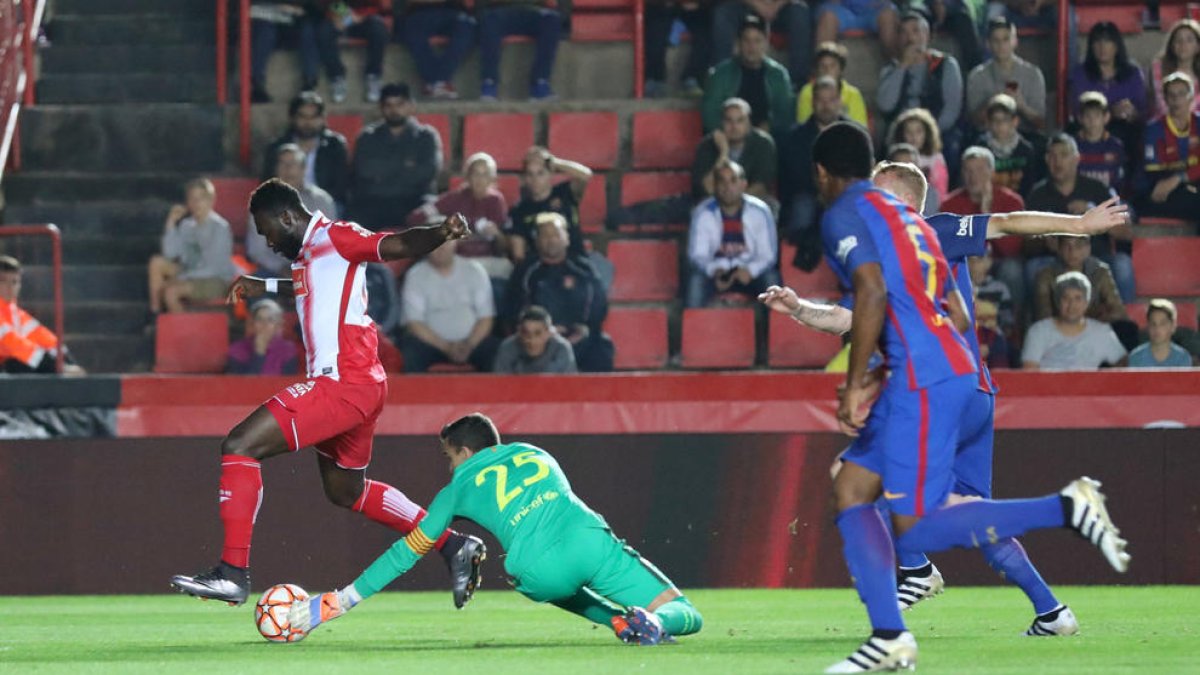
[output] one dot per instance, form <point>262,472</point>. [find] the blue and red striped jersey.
<point>868,225</point>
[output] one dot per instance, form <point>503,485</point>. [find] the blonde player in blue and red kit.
<point>337,407</point>
<point>907,305</point>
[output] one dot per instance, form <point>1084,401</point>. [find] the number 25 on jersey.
<point>503,495</point>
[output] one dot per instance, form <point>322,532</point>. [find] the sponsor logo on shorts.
<point>301,388</point>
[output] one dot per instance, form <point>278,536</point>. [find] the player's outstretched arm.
<point>417,241</point>
<point>833,319</point>
<point>247,288</point>
<point>1098,220</point>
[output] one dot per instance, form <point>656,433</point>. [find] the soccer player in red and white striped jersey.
<point>337,406</point>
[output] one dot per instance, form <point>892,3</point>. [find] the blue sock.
<point>906,560</point>
<point>872,562</point>
<point>979,523</point>
<point>1009,559</point>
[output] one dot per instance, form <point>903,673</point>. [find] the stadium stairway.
<point>126,112</point>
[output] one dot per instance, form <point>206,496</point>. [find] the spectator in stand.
<point>325,152</point>
<point>542,195</point>
<point>922,78</point>
<point>754,77</point>
<point>1101,154</point>
<point>1107,69</point>
<point>1160,351</point>
<point>26,346</point>
<point>485,210</point>
<point>1017,167</point>
<point>831,62</point>
<point>289,168</point>
<point>661,15</point>
<point>272,22</point>
<point>197,249</point>
<point>535,348</point>
<point>732,242</point>
<point>917,128</point>
<point>1065,191</point>
<point>835,17</point>
<point>736,140</point>
<point>356,19</point>
<point>417,21</point>
<point>1075,255</point>
<point>981,194</point>
<point>1007,73</point>
<point>790,17</point>
<point>1180,54</point>
<point>1070,340</point>
<point>800,208</point>
<point>1170,172</point>
<point>568,288</point>
<point>500,18</point>
<point>448,312</point>
<point>396,163</point>
<point>961,19</point>
<point>264,350</point>
<point>907,153</point>
<point>995,316</point>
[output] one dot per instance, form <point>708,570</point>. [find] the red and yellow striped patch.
<point>418,542</point>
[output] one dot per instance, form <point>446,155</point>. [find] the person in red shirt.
<point>337,407</point>
<point>981,194</point>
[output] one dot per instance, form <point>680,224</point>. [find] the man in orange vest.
<point>25,344</point>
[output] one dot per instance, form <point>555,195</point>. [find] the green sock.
<point>590,606</point>
<point>679,617</point>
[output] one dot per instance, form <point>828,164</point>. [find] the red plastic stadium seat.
<point>643,187</point>
<point>589,138</point>
<point>594,205</point>
<point>349,126</point>
<point>441,124</point>
<point>1186,311</point>
<point>645,270</point>
<point>505,136</point>
<point>1161,221</point>
<point>1128,17</point>
<point>820,283</point>
<point>191,342</point>
<point>640,336</point>
<point>791,345</point>
<point>665,139</point>
<point>233,202</point>
<point>718,338</point>
<point>1166,266</point>
<point>601,26</point>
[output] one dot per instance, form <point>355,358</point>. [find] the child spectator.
<point>1180,54</point>
<point>1160,351</point>
<point>26,346</point>
<point>835,17</point>
<point>264,350</point>
<point>831,62</point>
<point>918,128</point>
<point>1101,154</point>
<point>994,314</point>
<point>197,249</point>
<point>536,347</point>
<point>1017,167</point>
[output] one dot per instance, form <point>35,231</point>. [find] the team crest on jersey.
<point>569,282</point>
<point>845,246</point>
<point>299,287</point>
<point>301,388</point>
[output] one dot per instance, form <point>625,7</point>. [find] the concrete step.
<point>130,29</point>
<point>104,353</point>
<point>85,249</point>
<point>108,7</point>
<point>128,59</point>
<point>160,137</point>
<point>96,219</point>
<point>130,88</point>
<point>101,318</point>
<point>110,283</point>
<point>59,187</point>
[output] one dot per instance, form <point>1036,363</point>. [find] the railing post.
<point>1064,57</point>
<point>28,38</point>
<point>639,51</point>
<point>222,51</point>
<point>244,81</point>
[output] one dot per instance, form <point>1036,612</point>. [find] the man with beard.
<point>326,155</point>
<point>396,163</point>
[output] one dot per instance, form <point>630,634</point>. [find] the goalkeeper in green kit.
<point>559,550</point>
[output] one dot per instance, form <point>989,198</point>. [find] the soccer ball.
<point>271,613</point>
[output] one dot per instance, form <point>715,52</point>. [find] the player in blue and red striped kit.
<point>905,440</point>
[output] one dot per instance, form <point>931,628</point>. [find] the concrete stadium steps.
<point>156,137</point>
<point>123,59</point>
<point>80,248</point>
<point>103,29</point>
<point>117,318</point>
<point>39,187</point>
<point>104,352</point>
<point>116,220</point>
<point>105,282</point>
<point>128,88</point>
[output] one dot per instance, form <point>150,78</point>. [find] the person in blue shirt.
<point>1160,351</point>
<point>906,303</point>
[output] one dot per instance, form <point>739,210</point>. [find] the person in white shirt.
<point>1069,340</point>
<point>732,243</point>
<point>448,312</point>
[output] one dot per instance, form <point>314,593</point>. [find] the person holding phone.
<point>1007,73</point>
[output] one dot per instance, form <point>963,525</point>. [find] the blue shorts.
<point>910,440</point>
<point>973,461</point>
<point>856,14</point>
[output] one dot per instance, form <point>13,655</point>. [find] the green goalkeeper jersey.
<point>516,491</point>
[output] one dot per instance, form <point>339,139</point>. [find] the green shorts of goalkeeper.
<point>559,550</point>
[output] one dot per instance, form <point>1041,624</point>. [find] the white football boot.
<point>1089,518</point>
<point>910,590</point>
<point>1063,624</point>
<point>879,655</point>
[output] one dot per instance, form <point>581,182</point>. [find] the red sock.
<point>385,504</point>
<point>240,497</point>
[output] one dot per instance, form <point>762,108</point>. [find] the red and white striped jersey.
<point>329,282</point>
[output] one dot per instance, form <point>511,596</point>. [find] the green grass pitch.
<point>966,630</point>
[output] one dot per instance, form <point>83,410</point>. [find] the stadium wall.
<point>712,509</point>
